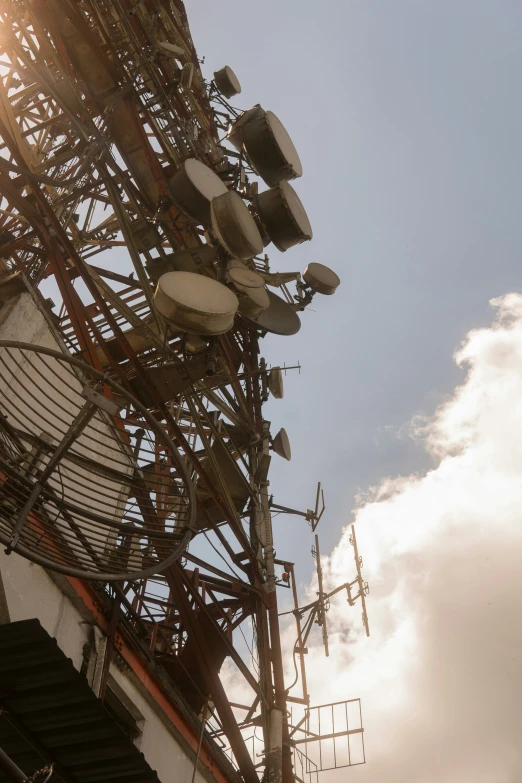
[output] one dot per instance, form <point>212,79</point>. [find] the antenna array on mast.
<point>132,436</point>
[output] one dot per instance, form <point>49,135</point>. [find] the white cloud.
<point>440,677</point>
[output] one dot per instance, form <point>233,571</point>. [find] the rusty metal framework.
<point>96,115</point>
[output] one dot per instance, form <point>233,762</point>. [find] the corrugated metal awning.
<point>50,714</point>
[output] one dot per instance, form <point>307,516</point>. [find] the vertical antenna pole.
<point>322,611</point>
<point>299,637</point>
<point>360,582</point>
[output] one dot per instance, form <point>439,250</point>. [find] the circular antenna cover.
<point>279,317</point>
<point>321,278</point>
<point>227,82</point>
<point>270,149</point>
<point>234,226</point>
<point>195,303</point>
<point>251,289</point>
<point>82,492</point>
<point>283,216</point>
<point>235,132</point>
<point>281,445</point>
<point>276,383</point>
<point>192,189</point>
<point>244,279</point>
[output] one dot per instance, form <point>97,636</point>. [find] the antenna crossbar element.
<point>312,517</point>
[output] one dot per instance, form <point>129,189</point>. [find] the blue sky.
<point>407,118</point>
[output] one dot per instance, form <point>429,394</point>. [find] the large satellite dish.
<point>279,318</point>
<point>267,144</point>
<point>193,187</point>
<point>270,149</point>
<point>234,226</point>
<point>227,82</point>
<point>283,216</point>
<point>195,303</point>
<point>81,492</point>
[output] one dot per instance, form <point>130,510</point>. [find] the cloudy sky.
<point>408,119</point>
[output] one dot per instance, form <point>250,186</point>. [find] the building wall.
<point>31,592</point>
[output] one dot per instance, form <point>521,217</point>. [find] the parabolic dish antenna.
<point>243,278</point>
<point>194,259</point>
<point>227,82</point>
<point>270,149</point>
<point>281,445</point>
<point>275,383</point>
<point>235,132</point>
<point>278,318</point>
<point>74,496</point>
<point>234,226</point>
<point>321,279</point>
<point>192,189</point>
<point>195,303</point>
<point>250,288</point>
<point>283,216</point>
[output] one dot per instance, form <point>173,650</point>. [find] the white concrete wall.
<point>30,591</point>
<point>157,742</point>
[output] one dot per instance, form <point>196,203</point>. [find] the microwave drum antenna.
<point>227,82</point>
<point>193,259</point>
<point>283,216</point>
<point>234,226</point>
<point>270,150</point>
<point>250,288</point>
<point>73,497</point>
<point>193,187</point>
<point>235,132</point>
<point>276,383</point>
<point>321,279</point>
<point>279,318</point>
<point>195,303</point>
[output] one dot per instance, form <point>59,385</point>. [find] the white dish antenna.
<point>281,445</point>
<point>193,187</point>
<point>276,383</point>
<point>270,150</point>
<point>193,259</point>
<point>171,50</point>
<point>321,279</point>
<point>254,302</point>
<point>195,344</point>
<point>283,216</point>
<point>195,303</point>
<point>278,318</point>
<point>250,288</point>
<point>234,226</point>
<point>235,132</point>
<point>227,82</point>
